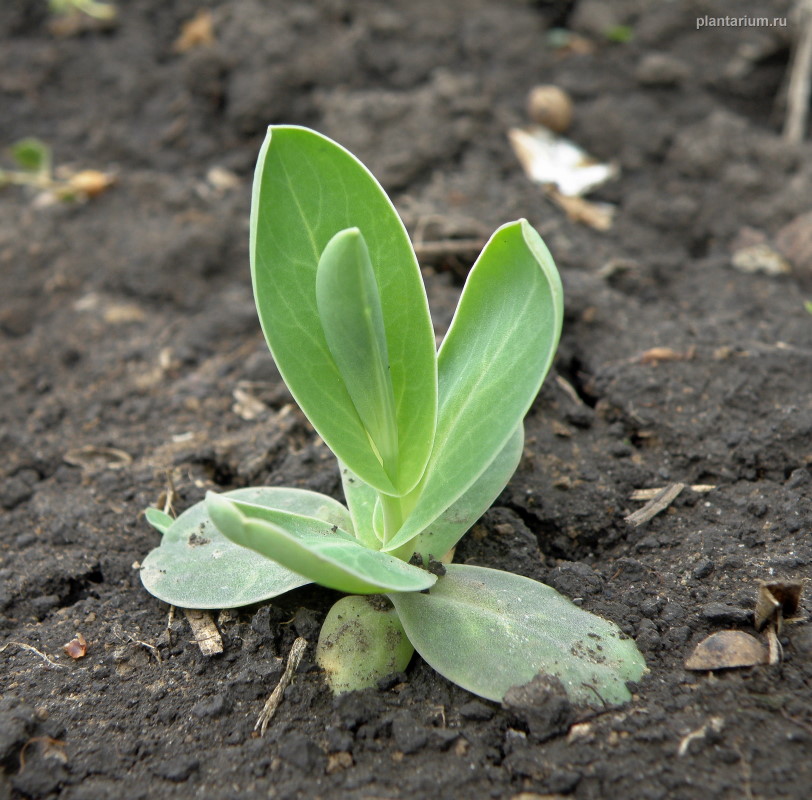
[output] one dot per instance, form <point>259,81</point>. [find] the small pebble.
<point>661,70</point>
<point>551,107</point>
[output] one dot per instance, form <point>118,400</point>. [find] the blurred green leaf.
<point>32,155</point>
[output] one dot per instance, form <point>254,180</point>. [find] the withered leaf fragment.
<point>77,647</point>
<point>776,602</point>
<point>727,650</point>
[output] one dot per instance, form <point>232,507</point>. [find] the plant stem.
<point>392,516</point>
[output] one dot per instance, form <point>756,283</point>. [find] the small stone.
<point>408,735</point>
<point>443,738</point>
<point>620,450</point>
<point>303,753</point>
<point>390,681</point>
<point>799,479</point>
<point>551,107</point>
<point>178,769</point>
<point>575,579</point>
<point>16,726</point>
<point>794,241</point>
<point>673,612</point>
<point>661,70</point>
<point>721,613</point>
<point>563,781</point>
<point>649,640</point>
<point>306,624</point>
<point>542,705</point>
<point>802,640</point>
<point>338,761</point>
<point>476,711</point>
<point>211,706</point>
<point>16,320</point>
<point>338,739</point>
<point>18,488</point>
<point>651,607</point>
<point>43,776</point>
<point>702,569</point>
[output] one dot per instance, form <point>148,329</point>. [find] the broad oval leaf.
<point>195,566</point>
<point>322,553</point>
<point>442,534</point>
<point>307,188</point>
<point>349,306</point>
<point>492,362</point>
<point>487,631</point>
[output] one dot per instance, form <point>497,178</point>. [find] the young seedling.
<point>425,442</point>
<point>34,167</point>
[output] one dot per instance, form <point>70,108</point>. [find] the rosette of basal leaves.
<point>425,442</point>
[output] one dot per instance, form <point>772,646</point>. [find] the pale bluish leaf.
<point>195,566</point>
<point>306,189</point>
<point>320,552</point>
<point>159,520</point>
<point>442,534</point>
<point>492,362</point>
<point>487,631</point>
<point>349,306</point>
<point>361,498</point>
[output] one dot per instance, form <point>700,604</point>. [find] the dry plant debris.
<point>272,703</point>
<point>205,631</point>
<point>658,503</point>
<point>76,648</point>
<point>727,650</point>
<point>197,32</point>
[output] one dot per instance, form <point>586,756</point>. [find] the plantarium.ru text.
<point>425,442</point>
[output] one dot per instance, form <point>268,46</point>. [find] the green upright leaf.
<point>442,534</point>
<point>306,190</point>
<point>487,631</point>
<point>195,566</point>
<point>361,498</point>
<point>349,305</point>
<point>324,554</point>
<point>491,365</point>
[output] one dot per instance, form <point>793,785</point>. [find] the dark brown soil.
<point>127,322</point>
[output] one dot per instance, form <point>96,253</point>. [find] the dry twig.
<point>658,503</point>
<point>272,703</point>
<point>800,76</point>
<point>205,631</point>
<point>34,650</point>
